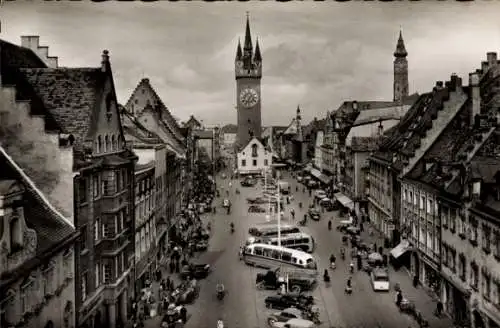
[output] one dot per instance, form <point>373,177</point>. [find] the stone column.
<point>112,315</point>
<point>123,306</point>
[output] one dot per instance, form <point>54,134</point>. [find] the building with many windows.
<point>145,224</point>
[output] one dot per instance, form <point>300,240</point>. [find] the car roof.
<point>296,321</point>
<point>296,312</point>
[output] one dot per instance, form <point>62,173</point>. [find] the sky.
<point>315,55</point>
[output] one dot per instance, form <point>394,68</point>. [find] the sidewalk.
<point>422,299</point>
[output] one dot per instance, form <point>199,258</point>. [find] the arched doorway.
<point>478,320</point>
<point>98,320</point>
<point>49,324</point>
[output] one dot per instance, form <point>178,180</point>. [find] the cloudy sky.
<point>314,54</point>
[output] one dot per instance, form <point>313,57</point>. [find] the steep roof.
<point>69,94</point>
<point>134,129</point>
<point>380,114</point>
<point>51,228</point>
<point>170,123</point>
<point>192,121</point>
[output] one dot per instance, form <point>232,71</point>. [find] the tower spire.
<point>400,47</point>
<point>257,56</point>
<point>239,53</point>
<point>248,36</point>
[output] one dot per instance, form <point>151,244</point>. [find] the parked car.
<point>284,301</point>
<point>284,316</point>
<point>256,200</point>
<point>295,323</point>
<point>248,182</point>
<point>380,280</point>
<point>319,194</point>
<point>329,204</point>
<point>298,281</point>
<point>312,184</point>
<point>197,271</point>
<point>314,214</point>
<point>256,209</point>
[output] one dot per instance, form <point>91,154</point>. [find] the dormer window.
<point>16,236</point>
<point>254,150</point>
<point>107,144</point>
<point>113,143</point>
<point>99,145</point>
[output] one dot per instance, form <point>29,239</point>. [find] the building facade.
<point>255,158</point>
<point>248,72</point>
<point>327,148</point>
<point>318,158</point>
<point>145,225</point>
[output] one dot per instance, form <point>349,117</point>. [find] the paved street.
<point>243,307</point>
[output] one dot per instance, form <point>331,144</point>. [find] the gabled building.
<point>228,133</point>
<point>254,158</point>
<point>310,134</point>
<point>292,141</point>
<point>318,159</point>
<point>66,121</point>
<point>193,123</point>
<point>455,186</point>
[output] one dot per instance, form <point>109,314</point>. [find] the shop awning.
<point>325,179</point>
<point>316,173</point>
<point>402,248</point>
<point>344,200</point>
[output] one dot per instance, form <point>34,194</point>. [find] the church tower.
<point>400,71</point>
<point>248,72</point>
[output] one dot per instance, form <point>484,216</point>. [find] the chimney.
<point>484,67</point>
<point>105,61</point>
<point>355,105</point>
<point>491,58</point>
<point>476,97</point>
<point>455,82</point>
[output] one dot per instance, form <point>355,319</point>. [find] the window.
<point>446,255</point>
<point>243,162</point>
<point>453,220</point>
<point>266,162</point>
<point>97,224</point>
<point>99,144</point>
<point>95,186</point>
<point>105,230</point>
<point>473,230</point>
<point>68,264</point>
<point>137,246</point>
<point>97,274</point>
<point>446,217</point>
<point>474,275</point>
<point>486,238</point>
<point>26,295</point>
<point>486,284</point>
<point>107,146</point>
<point>254,150</point>
<point>452,263</point>
<point>462,266</point>
<point>106,273</point>
<point>83,239</point>
<point>422,202</point>
<point>48,279</point>
<point>84,286</point>
<point>82,190</point>
<point>122,260</point>
<point>430,206</point>
<point>109,102</point>
<point>254,162</point>
<point>114,145</point>
<point>118,179</point>
<point>16,235</point>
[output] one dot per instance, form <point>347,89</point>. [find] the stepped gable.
<point>172,125</point>
<point>51,230</point>
<point>12,58</point>
<point>70,95</point>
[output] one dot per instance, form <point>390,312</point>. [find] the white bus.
<point>300,241</point>
<point>268,256</point>
<point>271,230</point>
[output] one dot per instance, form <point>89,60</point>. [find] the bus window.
<point>294,260</point>
<point>286,256</point>
<point>266,252</point>
<point>248,250</point>
<point>276,254</point>
<point>304,241</point>
<point>311,264</point>
<point>258,251</point>
<point>301,262</point>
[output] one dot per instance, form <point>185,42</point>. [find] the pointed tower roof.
<point>400,47</point>
<point>298,112</point>
<point>257,56</point>
<point>248,36</point>
<point>239,53</point>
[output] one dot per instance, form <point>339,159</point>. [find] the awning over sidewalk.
<point>402,248</point>
<point>315,173</point>
<point>325,179</point>
<point>344,200</point>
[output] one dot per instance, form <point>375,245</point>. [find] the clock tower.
<point>248,72</point>
<point>400,71</point>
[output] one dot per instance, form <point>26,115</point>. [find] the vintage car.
<point>256,209</point>
<point>284,301</point>
<point>186,293</point>
<point>297,281</point>
<point>284,316</point>
<point>197,271</point>
<point>248,182</point>
<point>201,245</point>
<point>226,203</point>
<point>256,200</point>
<point>295,323</point>
<point>314,214</point>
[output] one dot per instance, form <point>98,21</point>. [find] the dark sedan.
<point>256,209</point>
<point>281,302</point>
<point>314,214</point>
<point>197,271</point>
<point>248,183</point>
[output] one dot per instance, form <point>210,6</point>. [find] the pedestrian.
<point>183,312</point>
<point>439,308</point>
<point>296,188</point>
<point>399,298</point>
<point>415,281</point>
<point>292,212</point>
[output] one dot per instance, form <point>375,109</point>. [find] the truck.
<point>298,280</point>
<point>284,187</point>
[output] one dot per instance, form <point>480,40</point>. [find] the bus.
<point>268,256</point>
<point>271,230</point>
<point>300,241</point>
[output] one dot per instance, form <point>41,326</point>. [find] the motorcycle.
<point>232,229</point>
<point>333,266</point>
<point>300,205</point>
<point>221,294</point>
<point>326,277</point>
<point>329,225</point>
<point>348,290</point>
<point>351,267</point>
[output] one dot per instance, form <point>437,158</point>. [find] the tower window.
<point>254,150</point>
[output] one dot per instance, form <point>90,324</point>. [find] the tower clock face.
<point>249,97</point>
